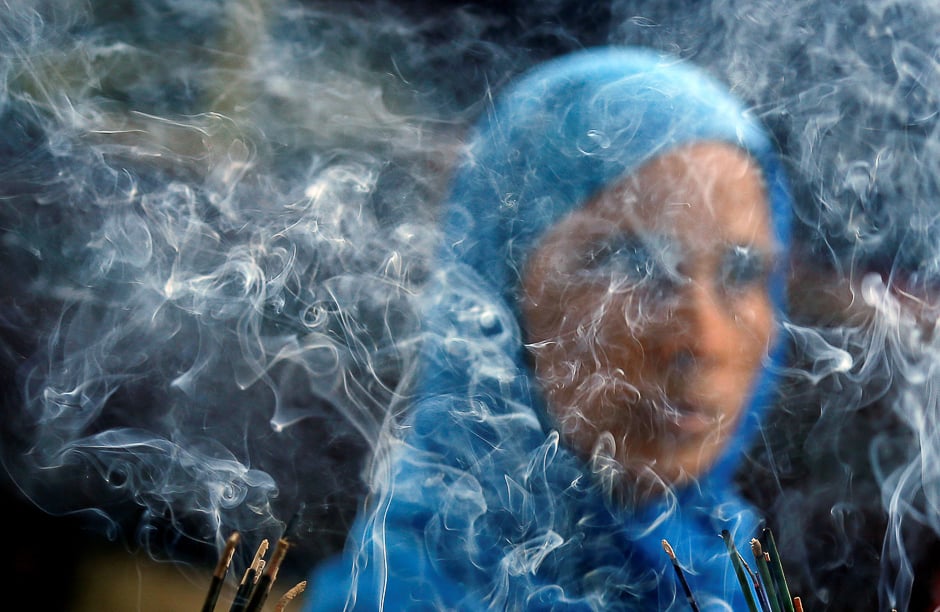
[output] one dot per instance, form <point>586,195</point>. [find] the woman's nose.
<point>701,326</point>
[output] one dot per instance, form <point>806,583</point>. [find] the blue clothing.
<point>476,503</point>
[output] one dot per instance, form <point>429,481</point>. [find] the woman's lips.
<point>688,419</point>
<point>677,419</point>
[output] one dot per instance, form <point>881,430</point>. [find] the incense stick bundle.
<point>766,579</point>
<point>681,576</point>
<point>263,588</point>
<point>776,568</point>
<point>736,561</point>
<point>221,569</point>
<point>249,579</point>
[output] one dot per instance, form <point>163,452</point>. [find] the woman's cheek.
<point>757,320</point>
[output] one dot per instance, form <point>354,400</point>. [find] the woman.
<point>600,344</point>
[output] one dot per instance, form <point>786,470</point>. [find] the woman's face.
<point>647,311</point>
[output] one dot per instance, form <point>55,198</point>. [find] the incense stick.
<point>758,589</point>
<point>293,522</point>
<point>263,588</point>
<point>221,569</point>
<point>249,579</point>
<point>797,604</point>
<point>243,593</point>
<point>785,604</point>
<point>766,579</point>
<point>739,570</point>
<point>296,590</point>
<point>776,568</point>
<point>681,576</point>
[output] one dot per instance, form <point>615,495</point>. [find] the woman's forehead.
<point>697,195</point>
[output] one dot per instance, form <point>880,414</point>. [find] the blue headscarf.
<point>478,504</point>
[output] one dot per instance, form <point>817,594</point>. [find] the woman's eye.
<point>624,258</point>
<point>743,267</point>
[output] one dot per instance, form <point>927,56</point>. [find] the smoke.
<point>212,242</point>
<point>217,217</point>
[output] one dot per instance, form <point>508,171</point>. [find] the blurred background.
<point>216,215</point>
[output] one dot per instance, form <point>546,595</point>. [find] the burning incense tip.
<point>263,587</point>
<point>226,559</point>
<point>221,569</point>
<point>262,549</point>
<point>689,596</point>
<point>277,558</point>
<point>296,590</point>
<point>669,550</point>
<point>756,548</point>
